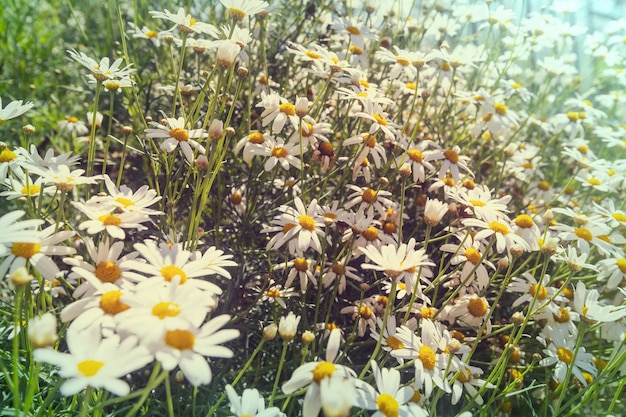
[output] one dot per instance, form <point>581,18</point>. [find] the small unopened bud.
<point>510,150</point>
<point>548,216</point>
<point>364,286</point>
<point>503,263</point>
<point>269,331</point>
<point>230,131</point>
<point>516,250</point>
<point>518,317</point>
<point>201,163</point>
<point>405,170</point>
<point>454,345</point>
<point>384,181</point>
<point>288,326</point>
<point>370,8</point>
<point>42,330</point>
<point>28,129</point>
<point>127,130</point>
<point>179,377</point>
<point>148,119</point>
<point>425,95</point>
<point>216,129</point>
<point>227,52</point>
<point>302,106</point>
<point>163,122</point>
<point>308,337</point>
<point>536,357</point>
<point>242,72</point>
<point>168,38</point>
<point>550,246</point>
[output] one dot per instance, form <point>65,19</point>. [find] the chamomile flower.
<point>566,356</point>
<point>14,109</point>
<point>96,362</point>
<point>176,134</point>
<point>388,398</point>
<point>73,126</point>
<point>185,22</point>
<point>481,203</point>
<point>187,348</point>
<point>278,152</point>
<point>339,271</point>
<point>101,70</point>
<point>505,238</point>
<point>301,267</point>
<point>250,404</point>
<point>613,270</point>
<point>303,224</point>
<point>32,247</point>
<point>368,199</point>
<point>452,161</point>
<point>105,219</point>
<point>415,156</point>
<point>466,380</point>
<point>313,374</point>
<point>374,112</point>
<point>370,147</point>
<point>239,9</point>
<point>400,262</point>
<point>127,200</point>
<point>470,253</point>
<point>26,188</point>
<point>543,294</point>
<point>278,110</point>
<point>364,312</point>
<point>64,179</point>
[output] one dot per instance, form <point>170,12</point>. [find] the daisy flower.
<point>102,70</point>
<point>128,200</point>
<point>96,362</point>
<point>177,135</point>
<point>374,112</point>
<point>401,62</point>
<point>185,22</point>
<point>187,348</point>
<point>415,156</point>
<point>214,261</point>
<point>530,288</point>
<point>368,199</point>
<point>466,380</point>
<point>303,224</point>
<point>250,404</point>
<point>469,310</point>
<point>400,262</point>
<point>11,162</point>
<point>301,267</point>
<point>288,326</point>
<point>26,187</point>
<point>370,146</point>
<point>276,293</point>
<point>339,270</point>
<point>106,266</point>
<point>14,109</point>
<point>64,179</point>
<point>389,398</point>
<point>166,262</point>
<point>470,253</point>
<point>239,9</point>
<point>481,203</point>
<point>562,352</point>
<point>364,312</point>
<point>146,33</point>
<point>585,235</point>
<point>34,162</point>
<point>73,126</point>
<point>153,312</point>
<point>36,249</point>
<point>280,153</point>
<point>105,219</point>
<point>452,162</point>
<point>250,143</point>
<point>505,238</point>
<point>277,110</point>
<point>313,375</point>
<point>613,270</point>
<point>12,231</point>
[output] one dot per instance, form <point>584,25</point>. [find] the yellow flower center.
<point>416,397</point>
<point>583,233</point>
<point>411,86</point>
<point>365,312</point>
<point>323,370</point>
<point>288,227</point>
<point>7,155</point>
<point>472,255</point>
<point>543,293</point>
<point>89,367</point>
<point>477,203</point>
<point>565,355</point>
<point>110,302</point>
<point>416,155</point>
<point>168,273</point>
<point>594,181</point>
<point>543,185</point>
<point>152,34</point>
<point>477,307</point>
<point>25,250</point>
<point>499,227</point>
<point>379,119</point>
<point>370,234</point>
<point>236,13</point>
<point>387,405</point>
<point>180,339</point>
<point>563,317</point>
<point>464,375</point>
<point>369,141</point>
<point>524,221</point>
<point>572,116</point>
<point>448,181</point>
<point>235,198</point>
<point>353,30</point>
<point>72,119</point>
<point>500,108</point>
<point>312,55</point>
<point>126,202</point>
<point>280,152</point>
<point>256,137</point>
<point>31,190</point>
<point>307,133</point>
<point>394,343</point>
<point>402,61</point>
<point>287,108</point>
<point>451,156</point>
<point>273,293</point>
<point>427,357</point>
<point>301,264</point>
<point>355,50</point>
<point>307,222</point>
<point>110,220</point>
<point>620,217</point>
<point>107,272</point>
<point>337,268</point>
<point>166,309</point>
<point>179,134</point>
<point>621,264</point>
<point>368,196</point>
<point>427,312</point>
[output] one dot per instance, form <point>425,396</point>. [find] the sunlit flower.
<point>505,238</point>
<point>14,109</point>
<point>102,70</point>
<point>567,357</point>
<point>239,9</point>
<point>279,152</point>
<point>177,135</point>
<point>185,22</point>
<point>250,404</point>
<point>96,362</point>
<point>105,219</point>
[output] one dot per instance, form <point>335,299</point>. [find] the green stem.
<point>283,355</point>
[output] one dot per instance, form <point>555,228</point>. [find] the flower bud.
<point>216,129</point>
<point>127,130</point>
<point>308,337</point>
<point>42,330</point>
<point>518,317</point>
<point>201,163</point>
<point>269,331</point>
<point>288,326</point>
<point>21,277</point>
<point>28,129</point>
